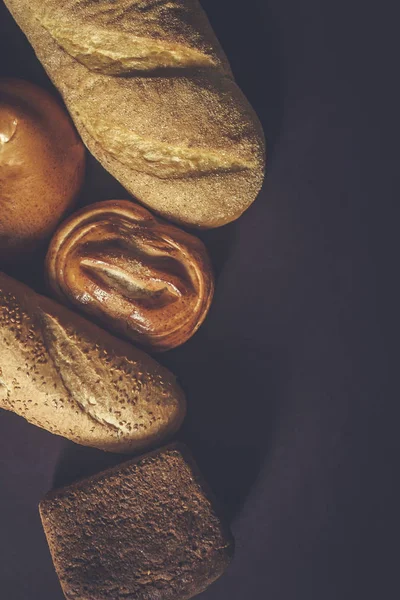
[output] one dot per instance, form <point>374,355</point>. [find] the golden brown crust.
<point>42,164</point>
<point>68,376</point>
<point>142,277</point>
<point>185,143</point>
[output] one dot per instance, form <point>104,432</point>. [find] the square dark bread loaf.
<point>144,530</point>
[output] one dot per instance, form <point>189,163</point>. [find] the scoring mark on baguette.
<point>160,159</point>
<point>86,383</point>
<point>117,53</point>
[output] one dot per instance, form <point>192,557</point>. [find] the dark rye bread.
<point>144,530</point>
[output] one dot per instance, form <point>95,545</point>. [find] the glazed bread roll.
<point>66,375</point>
<point>42,164</point>
<point>153,97</point>
<point>139,276</point>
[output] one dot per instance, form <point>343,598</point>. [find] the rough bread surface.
<point>122,37</point>
<point>68,376</point>
<point>145,530</point>
<point>171,124</point>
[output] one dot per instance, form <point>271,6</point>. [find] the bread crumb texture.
<point>145,530</point>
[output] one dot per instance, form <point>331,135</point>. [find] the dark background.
<point>291,382</point>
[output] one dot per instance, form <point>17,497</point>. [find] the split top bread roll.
<point>152,95</point>
<point>66,375</point>
<point>138,275</point>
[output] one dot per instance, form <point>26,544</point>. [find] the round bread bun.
<point>134,273</point>
<point>42,163</point>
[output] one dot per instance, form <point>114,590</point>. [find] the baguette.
<point>66,375</point>
<point>153,98</point>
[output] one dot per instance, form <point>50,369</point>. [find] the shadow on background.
<point>233,388</point>
<point>249,36</point>
<point>233,394</point>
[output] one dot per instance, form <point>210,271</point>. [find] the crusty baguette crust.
<point>119,37</point>
<point>68,376</point>
<point>185,142</point>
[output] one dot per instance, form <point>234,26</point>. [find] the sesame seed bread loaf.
<point>68,376</point>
